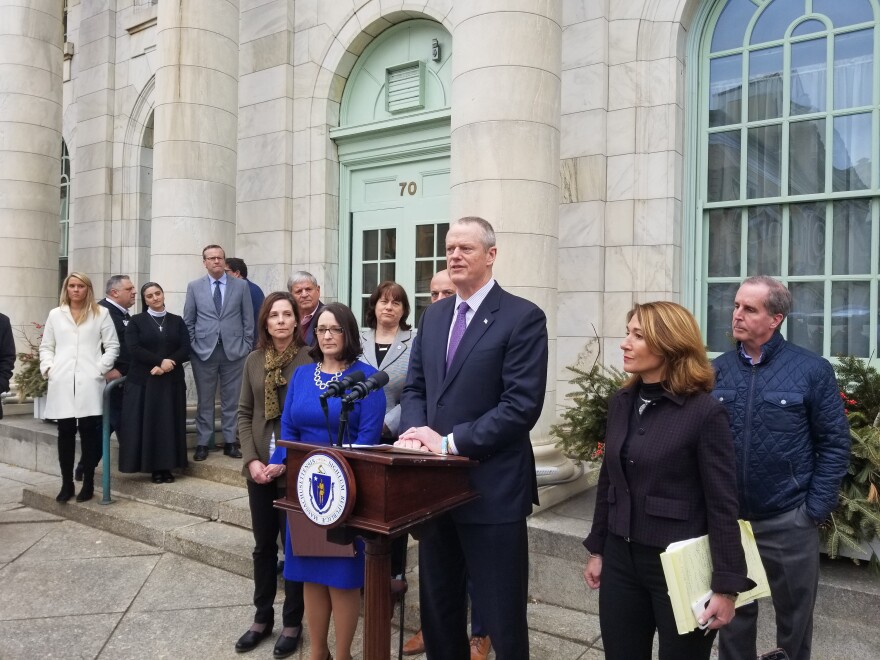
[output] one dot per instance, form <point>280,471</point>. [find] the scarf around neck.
<point>274,362</point>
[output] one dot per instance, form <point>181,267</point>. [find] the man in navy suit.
<point>475,388</point>
<point>238,268</point>
<point>7,355</point>
<point>220,318</point>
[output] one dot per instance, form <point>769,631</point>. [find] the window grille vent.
<point>405,87</point>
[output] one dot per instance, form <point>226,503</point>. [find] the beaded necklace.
<point>319,382</point>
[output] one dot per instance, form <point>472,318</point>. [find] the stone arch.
<point>350,34</point>
<point>137,175</point>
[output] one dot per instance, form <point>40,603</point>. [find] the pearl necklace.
<point>319,382</point>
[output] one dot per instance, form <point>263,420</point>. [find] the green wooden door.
<point>399,215</point>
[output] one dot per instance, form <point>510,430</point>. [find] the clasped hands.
<point>166,366</point>
<point>263,474</point>
<point>421,437</point>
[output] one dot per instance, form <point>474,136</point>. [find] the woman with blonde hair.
<point>668,475</point>
<point>71,357</point>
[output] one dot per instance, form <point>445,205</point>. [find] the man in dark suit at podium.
<point>475,388</point>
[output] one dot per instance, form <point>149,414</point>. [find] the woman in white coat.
<point>71,358</point>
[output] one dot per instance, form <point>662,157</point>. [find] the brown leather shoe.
<point>414,645</point>
<point>480,647</point>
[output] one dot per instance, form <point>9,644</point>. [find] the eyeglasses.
<point>332,329</point>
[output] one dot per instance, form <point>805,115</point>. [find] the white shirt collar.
<point>117,305</point>
<point>477,298</point>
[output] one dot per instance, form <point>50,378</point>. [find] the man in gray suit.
<point>220,318</point>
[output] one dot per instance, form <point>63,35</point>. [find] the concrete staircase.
<point>204,515</point>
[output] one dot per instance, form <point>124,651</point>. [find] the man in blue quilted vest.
<point>792,449</point>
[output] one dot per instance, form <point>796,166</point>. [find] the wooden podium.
<point>393,492</point>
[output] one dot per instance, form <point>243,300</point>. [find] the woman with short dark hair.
<point>387,343</point>
<point>332,584</point>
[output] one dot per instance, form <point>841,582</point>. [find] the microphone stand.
<point>347,407</point>
<point>326,410</point>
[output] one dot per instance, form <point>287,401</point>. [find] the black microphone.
<point>338,387</point>
<point>375,382</point>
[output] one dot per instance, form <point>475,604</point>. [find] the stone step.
<point>218,533</point>
<point>218,468</point>
<point>207,498</point>
<point>211,542</point>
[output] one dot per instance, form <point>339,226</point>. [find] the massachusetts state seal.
<point>324,488</point>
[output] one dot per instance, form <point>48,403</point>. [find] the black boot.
<point>66,454</point>
<point>88,487</point>
<point>66,492</point>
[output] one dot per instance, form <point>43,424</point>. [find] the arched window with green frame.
<point>788,176</point>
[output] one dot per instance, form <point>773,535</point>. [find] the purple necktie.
<point>457,333</point>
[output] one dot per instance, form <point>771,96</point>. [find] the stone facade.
<point>200,121</point>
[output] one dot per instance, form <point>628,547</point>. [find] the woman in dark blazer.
<point>154,400</point>
<point>668,475</point>
<point>267,372</point>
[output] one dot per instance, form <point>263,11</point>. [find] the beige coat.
<point>71,357</point>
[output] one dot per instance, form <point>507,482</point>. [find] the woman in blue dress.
<point>332,584</point>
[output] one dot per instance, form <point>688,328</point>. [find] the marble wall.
<point>567,123</point>
<point>620,217</point>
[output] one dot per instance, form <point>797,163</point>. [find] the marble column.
<point>195,139</point>
<point>505,165</point>
<point>93,247</point>
<point>30,158</point>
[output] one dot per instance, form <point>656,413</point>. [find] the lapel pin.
<point>486,321</point>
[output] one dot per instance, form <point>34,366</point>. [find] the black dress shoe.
<point>232,451</point>
<point>157,477</point>
<point>251,639</point>
<point>201,453</point>
<point>286,646</point>
<point>167,477</point>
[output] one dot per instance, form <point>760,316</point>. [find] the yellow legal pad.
<point>687,566</point>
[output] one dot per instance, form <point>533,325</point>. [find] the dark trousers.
<point>789,549</point>
<point>496,557</point>
<point>268,522</point>
<point>114,411</point>
<point>398,567</point>
<point>633,603</point>
<point>90,441</point>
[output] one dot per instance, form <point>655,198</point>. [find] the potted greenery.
<point>853,529</point>
<point>581,432</point>
<point>28,381</point>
